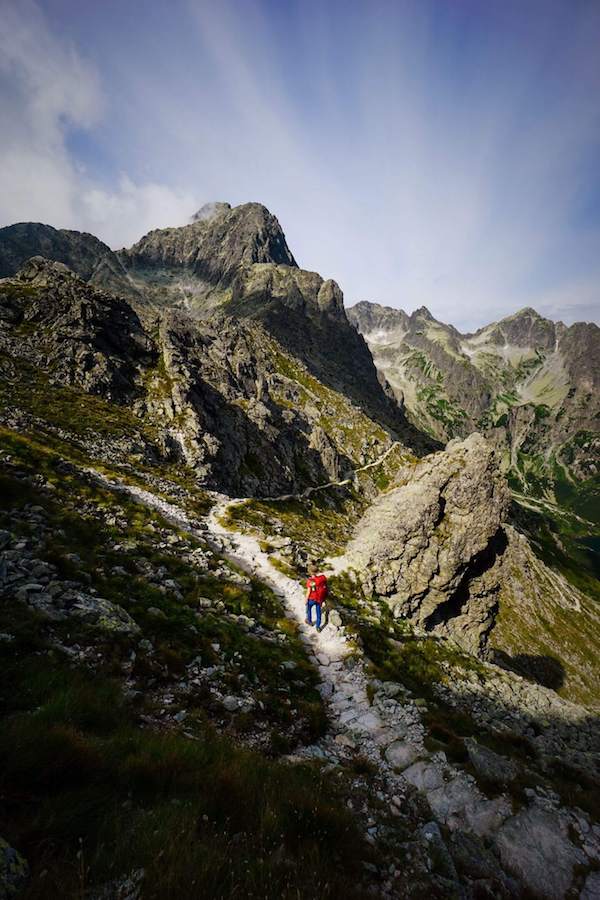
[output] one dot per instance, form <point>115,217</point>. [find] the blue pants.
<point>310,605</point>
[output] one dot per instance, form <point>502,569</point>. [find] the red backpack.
<point>317,585</point>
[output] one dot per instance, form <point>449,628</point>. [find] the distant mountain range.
<point>532,386</point>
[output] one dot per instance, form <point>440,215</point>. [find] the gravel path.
<point>378,720</point>
<point>382,722</point>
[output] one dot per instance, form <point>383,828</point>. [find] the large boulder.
<point>428,546</point>
<point>534,846</point>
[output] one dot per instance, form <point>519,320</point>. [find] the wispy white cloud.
<point>418,152</point>
<point>48,91</point>
<point>131,210</point>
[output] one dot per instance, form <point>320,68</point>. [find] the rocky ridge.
<point>222,396</point>
<point>532,385</point>
<point>83,253</point>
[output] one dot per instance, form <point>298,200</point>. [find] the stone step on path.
<point>533,843</point>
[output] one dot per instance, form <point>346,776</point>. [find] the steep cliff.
<point>221,395</point>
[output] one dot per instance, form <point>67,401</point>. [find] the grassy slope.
<point>88,796</point>
<point>88,793</point>
<point>87,429</point>
<point>353,432</point>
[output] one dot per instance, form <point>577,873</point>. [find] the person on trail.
<point>316,592</point>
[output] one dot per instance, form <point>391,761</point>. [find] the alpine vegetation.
<point>295,602</point>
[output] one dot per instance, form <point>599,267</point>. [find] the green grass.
<point>560,541</point>
<point>68,407</point>
<point>88,796</point>
<point>69,421</point>
<point>440,408</point>
<point>321,523</point>
<point>420,662</point>
<point>282,566</point>
<point>75,513</point>
<point>349,428</point>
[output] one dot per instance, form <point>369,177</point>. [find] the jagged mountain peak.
<point>422,313</point>
<point>526,312</point>
<point>194,265</point>
<point>371,318</point>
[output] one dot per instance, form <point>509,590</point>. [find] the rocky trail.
<point>308,492</point>
<point>382,722</point>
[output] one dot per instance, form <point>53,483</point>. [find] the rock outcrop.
<point>219,395</point>
<point>83,253</point>
<point>80,334</point>
<point>426,545</point>
<point>439,550</point>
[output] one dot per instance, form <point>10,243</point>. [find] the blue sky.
<point>437,152</point>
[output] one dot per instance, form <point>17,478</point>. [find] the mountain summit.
<point>193,266</point>
<point>210,211</point>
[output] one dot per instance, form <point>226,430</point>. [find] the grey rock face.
<point>238,260</point>
<point>422,544</point>
<point>83,253</point>
<point>220,395</point>
<point>210,211</point>
<point>306,315</point>
<point>490,766</point>
<point>194,265</point>
<point>235,261</point>
<point>534,843</point>
<point>423,361</point>
<point>81,334</point>
<point>401,755</point>
<point>94,610</point>
<point>591,888</point>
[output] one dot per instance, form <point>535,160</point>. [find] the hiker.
<point>316,592</point>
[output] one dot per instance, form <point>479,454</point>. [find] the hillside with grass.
<point>169,474</point>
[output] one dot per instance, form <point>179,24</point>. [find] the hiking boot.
<point>320,628</point>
